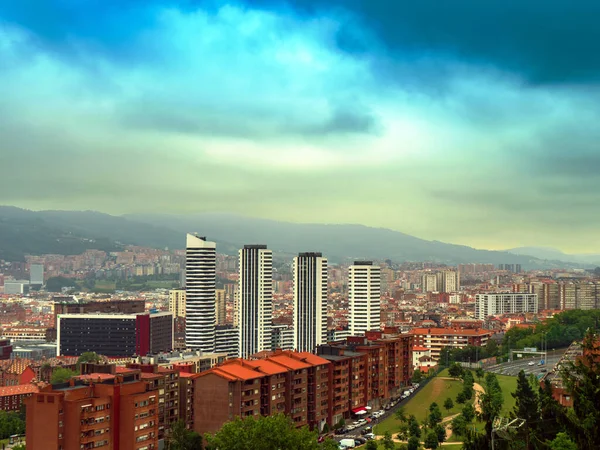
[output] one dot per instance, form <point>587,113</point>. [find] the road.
<point>513,368</point>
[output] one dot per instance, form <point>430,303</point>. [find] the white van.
<point>349,443</point>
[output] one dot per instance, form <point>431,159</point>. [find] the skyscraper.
<point>364,297</point>
<point>310,301</point>
<point>36,275</point>
<point>255,299</point>
<point>221,307</point>
<point>200,280</point>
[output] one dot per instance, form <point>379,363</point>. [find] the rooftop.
<point>20,389</point>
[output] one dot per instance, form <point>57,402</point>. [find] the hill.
<point>70,232</point>
<point>554,254</point>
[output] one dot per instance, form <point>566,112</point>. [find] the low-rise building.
<point>436,339</point>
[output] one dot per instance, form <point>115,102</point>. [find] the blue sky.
<point>466,121</point>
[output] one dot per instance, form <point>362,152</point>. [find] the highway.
<point>514,367</point>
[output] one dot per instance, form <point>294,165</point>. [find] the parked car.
<point>369,436</point>
<point>349,443</point>
<point>360,441</point>
<point>531,363</point>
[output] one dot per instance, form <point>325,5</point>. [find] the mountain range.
<point>71,232</point>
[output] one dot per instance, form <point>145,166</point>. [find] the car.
<point>360,441</point>
<point>531,363</point>
<point>362,422</point>
<point>369,436</point>
<point>544,370</point>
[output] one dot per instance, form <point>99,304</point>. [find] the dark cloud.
<point>546,41</point>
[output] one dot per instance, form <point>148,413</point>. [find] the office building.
<point>255,299</point>
<point>16,287</point>
<point>364,297</point>
<point>36,275</point>
<point>177,299</point>
<point>220,307</point>
<point>72,306</point>
<point>200,279</point>
<point>504,303</point>
<point>116,335</point>
<point>310,301</point>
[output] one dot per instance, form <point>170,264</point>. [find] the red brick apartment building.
<point>438,338</point>
<point>13,397</point>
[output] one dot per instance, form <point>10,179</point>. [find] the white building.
<point>36,274</point>
<point>19,287</point>
<point>429,282</point>
<point>310,301</point>
<point>255,299</point>
<point>227,340</point>
<point>177,302</point>
<point>364,297</point>
<point>504,303</point>
<point>200,280</point>
<point>282,337</point>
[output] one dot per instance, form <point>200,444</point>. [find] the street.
<point>513,368</point>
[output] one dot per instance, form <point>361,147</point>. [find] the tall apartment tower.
<point>221,307</point>
<point>200,280</point>
<point>255,299</point>
<point>177,302</point>
<point>364,297</point>
<point>310,301</point>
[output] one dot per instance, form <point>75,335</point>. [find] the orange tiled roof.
<point>288,362</point>
<point>264,366</point>
<point>96,376</point>
<point>310,358</point>
<point>235,368</point>
<point>20,389</point>
<point>418,348</point>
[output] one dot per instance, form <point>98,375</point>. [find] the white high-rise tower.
<point>255,299</point>
<point>364,297</point>
<point>200,280</point>
<point>310,301</point>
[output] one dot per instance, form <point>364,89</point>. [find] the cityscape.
<point>299,225</point>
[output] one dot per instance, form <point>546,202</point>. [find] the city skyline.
<point>404,116</point>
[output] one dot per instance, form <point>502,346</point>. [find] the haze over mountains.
<point>69,232</point>
<point>554,254</point>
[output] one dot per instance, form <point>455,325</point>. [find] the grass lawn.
<point>508,385</point>
<point>437,390</point>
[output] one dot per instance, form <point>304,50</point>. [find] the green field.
<point>437,390</point>
<point>508,385</point>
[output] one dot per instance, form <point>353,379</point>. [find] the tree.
<point>468,412</point>
<point>459,425</point>
<point>330,444</point>
<point>448,404</point>
<point>340,424</point>
<point>583,383</point>
<point>455,370</point>
<point>431,440</point>
<point>413,443</point>
<point>325,429</point>
<point>87,357</point>
<point>403,431</point>
<point>62,375</point>
<point>417,376</point>
<point>180,438</point>
<point>562,442</point>
<point>413,426</point>
<point>268,432</point>
<point>371,445</point>
<point>468,392</point>
<point>491,348</point>
<point>401,414</point>
<point>19,447</point>
<point>435,415</point>
<point>461,397</point>
<point>10,424</point>
<point>479,373</point>
<point>490,403</point>
<point>440,431</point>
<point>56,284</point>
<point>526,407</point>
<point>388,442</point>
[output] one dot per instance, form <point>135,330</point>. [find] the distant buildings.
<point>442,281</point>
<point>282,337</point>
<point>364,297</point>
<point>200,280</point>
<point>504,303</point>
<point>255,299</point>
<point>36,275</point>
<point>177,300</point>
<point>17,287</point>
<point>114,335</point>
<point>310,301</point>
<point>220,307</point>
<point>227,340</point>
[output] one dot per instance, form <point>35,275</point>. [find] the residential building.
<point>255,300</point>
<point>96,410</point>
<point>5,349</point>
<point>429,282</point>
<point>310,301</point>
<point>25,334</point>
<point>364,297</point>
<point>438,338</point>
<point>282,337</point>
<point>16,287</point>
<point>227,340</point>
<point>73,306</point>
<point>220,307</point>
<point>36,275</point>
<point>114,334</point>
<point>200,280</point>
<point>177,302</point>
<point>12,398</point>
<point>504,303</point>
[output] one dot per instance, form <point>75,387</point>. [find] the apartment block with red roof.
<point>13,397</point>
<point>438,338</point>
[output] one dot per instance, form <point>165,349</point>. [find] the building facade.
<point>177,300</point>
<point>200,280</point>
<point>436,339</point>
<point>255,299</point>
<point>364,297</point>
<point>310,301</point>
<point>220,307</point>
<point>505,303</point>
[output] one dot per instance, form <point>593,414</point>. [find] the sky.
<point>465,121</point>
